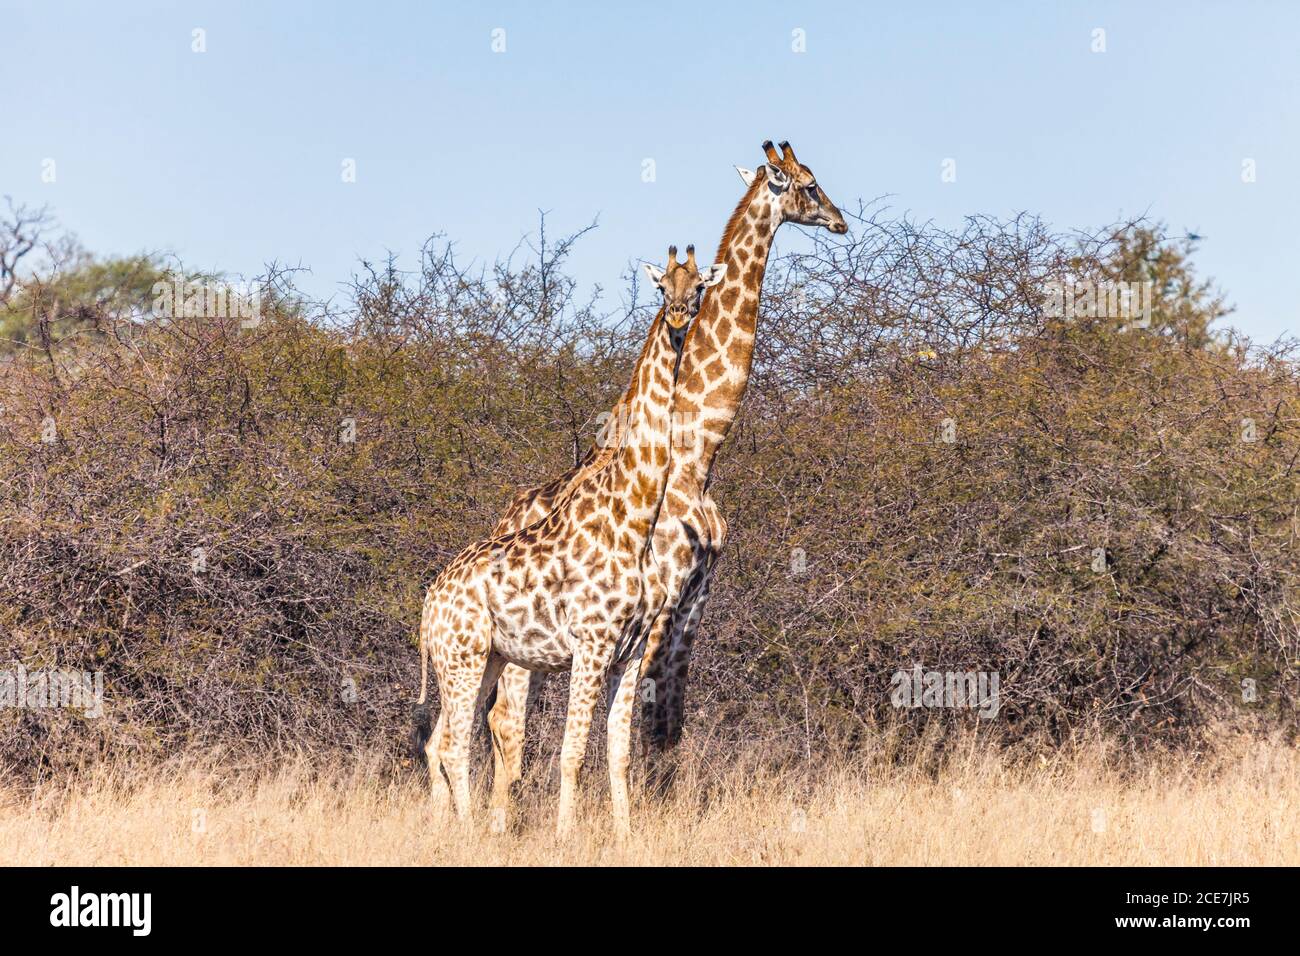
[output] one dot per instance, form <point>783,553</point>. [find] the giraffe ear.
<point>776,177</point>
<point>654,272</point>
<point>746,174</point>
<point>713,274</point>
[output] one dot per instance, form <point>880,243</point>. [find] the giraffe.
<point>576,590</point>
<point>713,373</point>
<point>683,289</point>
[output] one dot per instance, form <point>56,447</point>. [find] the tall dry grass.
<point>979,807</point>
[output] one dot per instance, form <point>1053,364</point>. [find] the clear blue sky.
<point>232,157</point>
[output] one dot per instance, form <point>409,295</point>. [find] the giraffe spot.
<point>724,396</point>
<point>542,610</point>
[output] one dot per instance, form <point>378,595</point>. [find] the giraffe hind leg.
<point>507,718</point>
<point>440,788</point>
<point>464,681</point>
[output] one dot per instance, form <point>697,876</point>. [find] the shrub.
<point>236,524</point>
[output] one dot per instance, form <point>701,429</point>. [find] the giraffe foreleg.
<point>623,684</point>
<point>653,668</point>
<point>588,673</point>
<point>686,625</point>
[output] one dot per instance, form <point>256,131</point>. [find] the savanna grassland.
<point>233,521</point>
<point>977,808</point>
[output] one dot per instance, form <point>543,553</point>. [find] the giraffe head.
<point>795,191</point>
<point>683,285</point>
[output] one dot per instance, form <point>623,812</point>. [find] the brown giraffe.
<point>690,532</point>
<point>576,590</point>
<point>683,289</point>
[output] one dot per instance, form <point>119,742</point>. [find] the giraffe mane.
<point>724,248</point>
<point>738,215</point>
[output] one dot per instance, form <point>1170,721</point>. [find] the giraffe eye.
<point>812,191</point>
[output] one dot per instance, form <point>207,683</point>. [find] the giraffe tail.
<point>422,728</point>
<point>424,671</point>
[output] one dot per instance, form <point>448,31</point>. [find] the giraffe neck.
<point>719,348</point>
<point>607,442</point>
<point>639,465</point>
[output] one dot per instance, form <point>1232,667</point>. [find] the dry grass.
<point>978,809</point>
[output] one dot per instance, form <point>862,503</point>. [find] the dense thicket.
<point>235,521</point>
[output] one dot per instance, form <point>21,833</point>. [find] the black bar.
<point>300,906</point>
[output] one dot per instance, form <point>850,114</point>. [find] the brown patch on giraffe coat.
<point>600,533</point>
<point>739,351</point>
<point>685,405</point>
<point>715,368</point>
<point>722,396</point>
<point>542,610</point>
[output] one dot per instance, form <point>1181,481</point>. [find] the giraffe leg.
<point>507,722</point>
<point>653,678</point>
<point>622,700</point>
<point>441,792</point>
<point>585,679</point>
<point>464,690</point>
<point>685,627</point>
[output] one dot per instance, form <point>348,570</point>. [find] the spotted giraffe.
<point>714,372</point>
<point>683,290</point>
<point>688,538</point>
<point>576,590</point>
